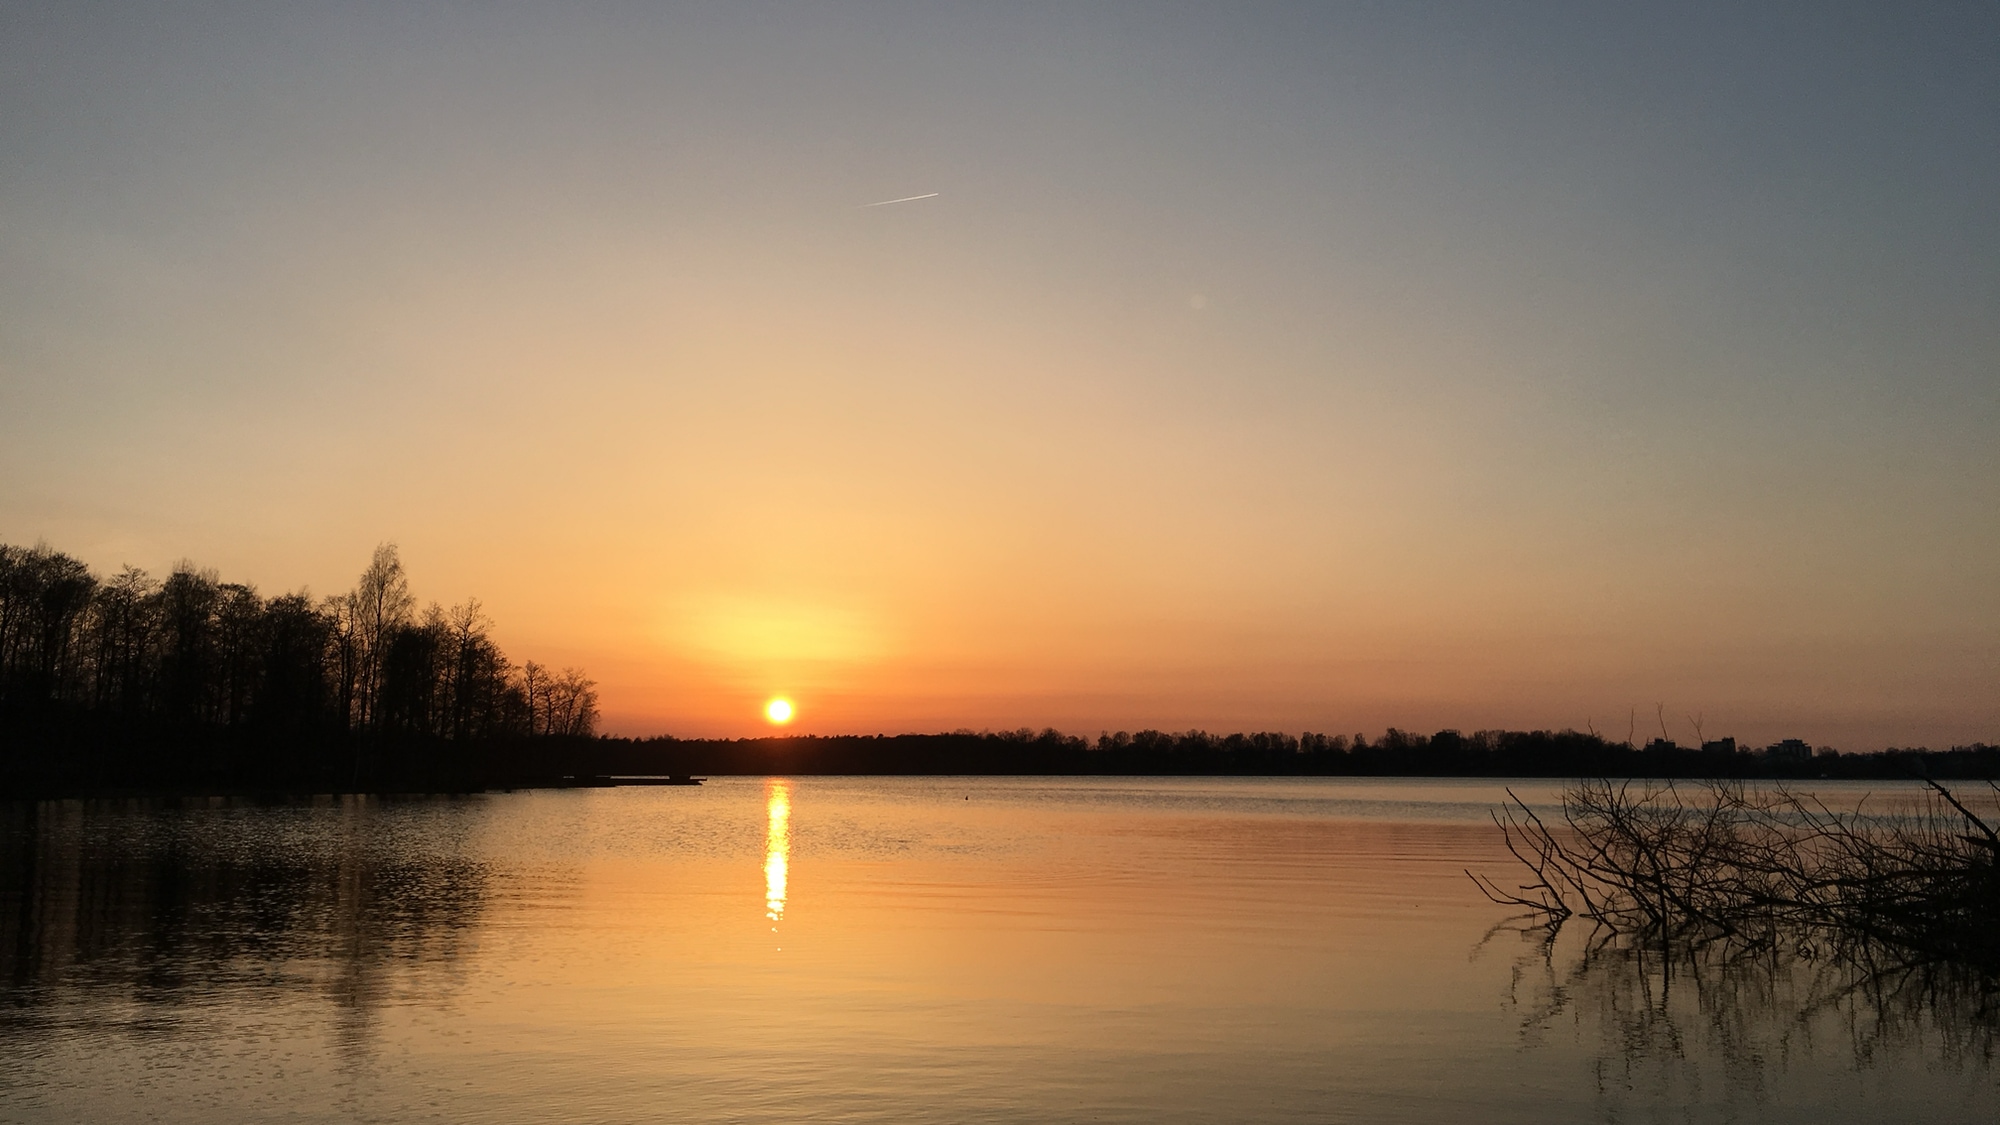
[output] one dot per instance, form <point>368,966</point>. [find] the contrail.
<point>905,199</point>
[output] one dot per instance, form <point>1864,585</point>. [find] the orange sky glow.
<point>1322,374</point>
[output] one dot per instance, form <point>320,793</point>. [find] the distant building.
<point>1790,750</point>
<point>1661,746</point>
<point>1719,746</point>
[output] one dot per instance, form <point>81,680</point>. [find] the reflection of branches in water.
<point>1652,1019</point>
<point>1751,927</point>
<point>184,908</point>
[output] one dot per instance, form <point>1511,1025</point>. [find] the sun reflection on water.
<point>777,850</point>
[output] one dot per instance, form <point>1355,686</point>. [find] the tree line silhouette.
<point>1394,753</point>
<point>134,680</point>
<point>189,683</point>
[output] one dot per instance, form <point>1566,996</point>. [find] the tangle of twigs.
<point>1718,867</point>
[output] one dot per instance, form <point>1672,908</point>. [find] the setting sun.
<point>778,711</point>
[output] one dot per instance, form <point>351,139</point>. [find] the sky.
<point>1253,367</point>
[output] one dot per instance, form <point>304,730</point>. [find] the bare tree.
<point>380,605</point>
<point>190,681</point>
<point>572,704</point>
<point>122,629</point>
<point>471,657</point>
<point>43,595</point>
<point>535,691</point>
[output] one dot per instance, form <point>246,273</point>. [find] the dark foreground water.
<point>886,949</point>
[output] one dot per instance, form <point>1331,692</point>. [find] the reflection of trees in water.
<point>1739,929</point>
<point>1655,1022</point>
<point>173,908</point>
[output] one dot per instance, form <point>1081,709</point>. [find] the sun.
<point>779,711</point>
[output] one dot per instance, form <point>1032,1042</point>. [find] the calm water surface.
<point>882,949</point>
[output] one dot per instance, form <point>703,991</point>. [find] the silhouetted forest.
<point>192,684</point>
<point>1495,753</point>
<point>133,681</point>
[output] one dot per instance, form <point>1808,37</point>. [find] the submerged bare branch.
<point>1718,864</point>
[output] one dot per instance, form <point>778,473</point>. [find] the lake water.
<point>883,949</point>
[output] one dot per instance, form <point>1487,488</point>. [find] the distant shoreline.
<point>197,768</point>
